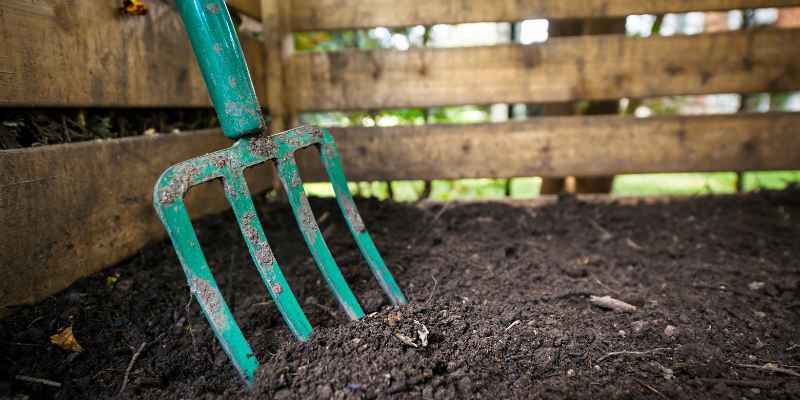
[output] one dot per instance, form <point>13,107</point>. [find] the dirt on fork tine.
<point>500,308</point>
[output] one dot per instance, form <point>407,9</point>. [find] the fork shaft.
<point>219,54</point>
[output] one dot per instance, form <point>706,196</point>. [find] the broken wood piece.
<point>611,303</point>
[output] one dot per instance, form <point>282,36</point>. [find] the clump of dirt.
<point>499,307</point>
<point>36,127</point>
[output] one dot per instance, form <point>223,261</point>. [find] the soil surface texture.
<point>500,308</point>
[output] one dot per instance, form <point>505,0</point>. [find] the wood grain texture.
<point>86,54</point>
<point>314,15</point>
<point>563,69</point>
<point>71,210</point>
<point>560,146</point>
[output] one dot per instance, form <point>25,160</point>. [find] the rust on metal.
<point>352,215</point>
<point>179,183</point>
<point>250,231</point>
<point>263,146</point>
<point>213,8</point>
<point>316,133</point>
<point>219,160</point>
<point>276,288</point>
<point>330,153</point>
<point>296,181</point>
<point>211,301</point>
<point>308,223</point>
<point>264,255</point>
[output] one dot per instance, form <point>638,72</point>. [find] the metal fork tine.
<point>290,177</point>
<point>238,195</point>
<point>333,167</point>
<point>204,287</point>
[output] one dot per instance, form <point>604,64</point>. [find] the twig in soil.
<point>189,322</point>
<point>430,224</point>
<point>561,296</point>
<point>130,367</point>
<point>724,288</point>
<point>652,389</point>
<point>743,382</point>
<point>633,244</point>
<point>42,381</point>
<point>513,324</point>
<point>433,291</point>
<point>605,235</point>
<point>771,367</point>
<point>323,307</point>
<point>21,344</point>
<point>634,353</point>
<point>611,303</point>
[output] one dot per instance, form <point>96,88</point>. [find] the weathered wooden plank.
<point>313,15</point>
<point>563,69</point>
<point>561,146</point>
<point>84,53</point>
<point>67,211</point>
<point>71,210</point>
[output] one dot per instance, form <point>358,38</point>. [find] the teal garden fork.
<point>220,57</point>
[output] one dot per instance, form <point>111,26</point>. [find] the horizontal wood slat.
<point>71,210</point>
<point>562,146</point>
<point>563,69</point>
<point>313,15</point>
<point>85,54</point>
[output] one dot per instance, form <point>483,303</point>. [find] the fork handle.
<point>219,54</point>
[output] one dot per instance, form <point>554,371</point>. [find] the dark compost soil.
<point>502,288</point>
<point>31,127</point>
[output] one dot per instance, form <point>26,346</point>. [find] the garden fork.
<point>219,55</point>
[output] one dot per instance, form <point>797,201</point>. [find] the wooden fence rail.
<point>562,69</point>
<point>71,210</point>
<point>68,53</point>
<point>316,15</point>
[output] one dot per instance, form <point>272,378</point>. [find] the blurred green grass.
<point>685,184</point>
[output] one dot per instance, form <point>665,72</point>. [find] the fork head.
<point>229,165</point>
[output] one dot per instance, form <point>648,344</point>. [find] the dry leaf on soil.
<point>66,340</point>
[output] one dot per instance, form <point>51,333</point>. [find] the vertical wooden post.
<point>279,45</point>
<point>599,184</point>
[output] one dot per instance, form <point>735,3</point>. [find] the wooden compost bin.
<point>67,211</point>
